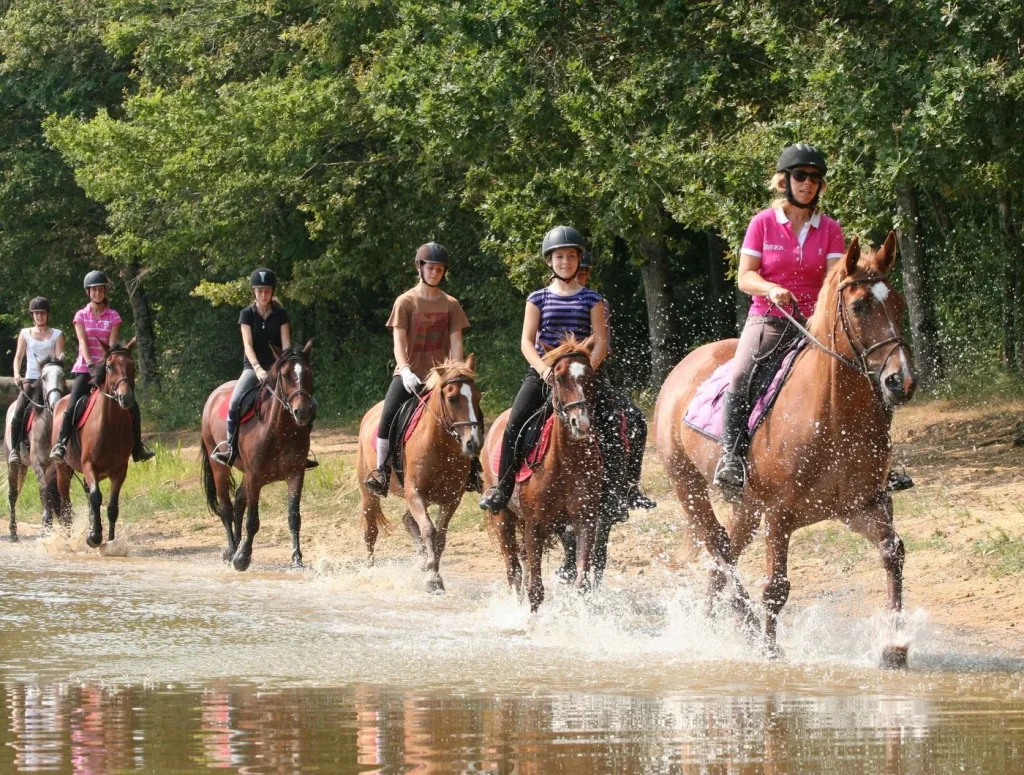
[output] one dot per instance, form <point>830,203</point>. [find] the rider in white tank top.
<point>36,351</point>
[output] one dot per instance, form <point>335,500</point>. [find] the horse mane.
<point>449,370</point>
<point>570,346</point>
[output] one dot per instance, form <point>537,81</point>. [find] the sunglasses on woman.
<point>800,176</point>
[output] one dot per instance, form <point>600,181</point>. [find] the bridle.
<point>859,363</point>
<point>275,389</point>
<point>448,425</point>
<point>561,407</point>
<point>113,395</point>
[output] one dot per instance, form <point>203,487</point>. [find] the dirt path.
<point>963,526</point>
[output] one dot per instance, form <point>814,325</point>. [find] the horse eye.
<point>859,306</point>
<point>453,400</point>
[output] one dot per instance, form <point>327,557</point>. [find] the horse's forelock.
<point>288,354</point>
<point>449,370</point>
<point>570,346</point>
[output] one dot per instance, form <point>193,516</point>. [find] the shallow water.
<point>126,664</point>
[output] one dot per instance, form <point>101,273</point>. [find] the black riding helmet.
<point>585,262</point>
<point>801,155</point>
<point>562,237</point>
<point>94,278</point>
<point>431,253</point>
<point>39,304</point>
<point>263,277</point>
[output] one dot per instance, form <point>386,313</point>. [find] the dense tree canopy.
<point>179,144</point>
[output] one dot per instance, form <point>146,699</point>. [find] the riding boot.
<point>498,496</point>
<point>898,481</point>
<point>475,482</point>
<point>226,453</point>
<point>60,448</point>
<point>17,430</point>
<point>378,481</point>
<point>731,471</point>
<point>140,452</point>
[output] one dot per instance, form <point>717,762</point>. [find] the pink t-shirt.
<point>97,329</point>
<point>797,263</point>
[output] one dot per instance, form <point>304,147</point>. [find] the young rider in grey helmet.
<point>96,322</point>
<point>563,307</point>
<point>34,345</point>
<point>426,328</point>
<point>263,323</point>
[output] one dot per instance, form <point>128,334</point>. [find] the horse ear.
<point>276,351</point>
<point>886,255</point>
<point>852,256</point>
<point>471,362</point>
<point>546,347</point>
<point>105,347</point>
<point>588,344</point>
<point>308,347</point>
<point>131,344</point>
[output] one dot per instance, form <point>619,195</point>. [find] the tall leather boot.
<point>731,471</point>
<point>498,496</point>
<point>226,453</point>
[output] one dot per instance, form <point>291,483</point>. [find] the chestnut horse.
<point>437,460</point>
<point>824,450</point>
<point>102,447</point>
<point>565,488</point>
<point>48,389</point>
<point>272,447</point>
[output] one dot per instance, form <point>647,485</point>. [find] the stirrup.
<point>14,458</point>
<point>143,454</point>
<point>494,499</point>
<point>898,481</point>
<point>732,490</point>
<point>224,453</point>
<point>59,450</point>
<point>378,482</point>
<point>310,463</point>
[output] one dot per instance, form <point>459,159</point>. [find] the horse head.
<point>573,382</point>
<point>291,382</point>
<point>870,315</point>
<point>115,374</point>
<point>51,383</point>
<point>459,402</point>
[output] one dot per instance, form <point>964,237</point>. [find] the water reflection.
<point>91,730</point>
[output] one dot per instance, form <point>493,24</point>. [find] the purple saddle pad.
<point>704,414</point>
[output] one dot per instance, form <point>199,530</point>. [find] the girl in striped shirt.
<point>563,307</point>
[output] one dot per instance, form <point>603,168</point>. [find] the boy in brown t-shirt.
<point>426,324</point>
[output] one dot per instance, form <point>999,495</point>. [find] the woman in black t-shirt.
<point>263,323</point>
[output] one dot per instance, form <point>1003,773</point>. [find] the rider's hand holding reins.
<point>410,381</point>
<point>781,297</point>
<point>261,373</point>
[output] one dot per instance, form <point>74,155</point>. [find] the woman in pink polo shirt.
<point>787,251</point>
<point>96,322</point>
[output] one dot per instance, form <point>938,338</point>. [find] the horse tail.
<point>209,485</point>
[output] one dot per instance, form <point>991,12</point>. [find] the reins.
<point>447,424</point>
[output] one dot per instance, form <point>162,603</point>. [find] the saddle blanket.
<point>704,414</point>
<point>248,411</point>
<point>414,420</point>
<point>533,457</point>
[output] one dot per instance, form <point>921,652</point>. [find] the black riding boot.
<point>226,453</point>
<point>17,427</point>
<point>731,473</point>
<point>140,452</point>
<point>498,496</point>
<point>898,481</point>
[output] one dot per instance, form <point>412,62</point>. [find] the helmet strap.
<point>813,204</point>
<point>423,279</point>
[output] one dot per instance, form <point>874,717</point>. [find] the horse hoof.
<point>227,553</point>
<point>94,542</point>
<point>241,562</point>
<point>14,538</point>
<point>434,585</point>
<point>369,561</point>
<point>894,658</point>
<point>563,576</point>
<point>297,564</point>
<point>774,652</point>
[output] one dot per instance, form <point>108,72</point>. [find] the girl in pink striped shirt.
<point>95,323</point>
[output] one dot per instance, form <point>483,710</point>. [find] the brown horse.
<point>48,389</point>
<point>103,446</point>
<point>565,488</point>
<point>824,450</point>
<point>437,460</point>
<point>273,447</point>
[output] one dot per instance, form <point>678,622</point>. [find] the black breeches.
<point>530,398</point>
<point>79,389</point>
<point>393,400</point>
<point>20,406</point>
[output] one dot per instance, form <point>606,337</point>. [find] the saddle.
<point>704,414</point>
<point>250,405</point>
<point>408,417</point>
<point>534,440</point>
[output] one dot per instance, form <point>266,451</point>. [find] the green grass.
<point>1004,551</point>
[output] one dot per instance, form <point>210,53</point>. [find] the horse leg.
<point>294,517</point>
<point>62,485</point>
<point>225,510</point>
<point>504,525</point>
<point>601,536</point>
<point>373,518</point>
<point>742,529</point>
<point>534,559</point>
<point>95,536</point>
<point>14,480</point>
<point>243,554</point>
<point>776,590</point>
<point>585,530</point>
<point>414,533</point>
<point>567,573</point>
<point>114,505</point>
<point>238,511</point>
<point>446,510</point>
<point>418,508</point>
<point>876,525</point>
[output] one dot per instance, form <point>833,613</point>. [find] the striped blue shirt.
<point>561,315</point>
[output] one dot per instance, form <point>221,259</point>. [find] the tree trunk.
<point>720,289</point>
<point>923,328</point>
<point>661,323</point>
<point>1011,279</point>
<point>145,343</point>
